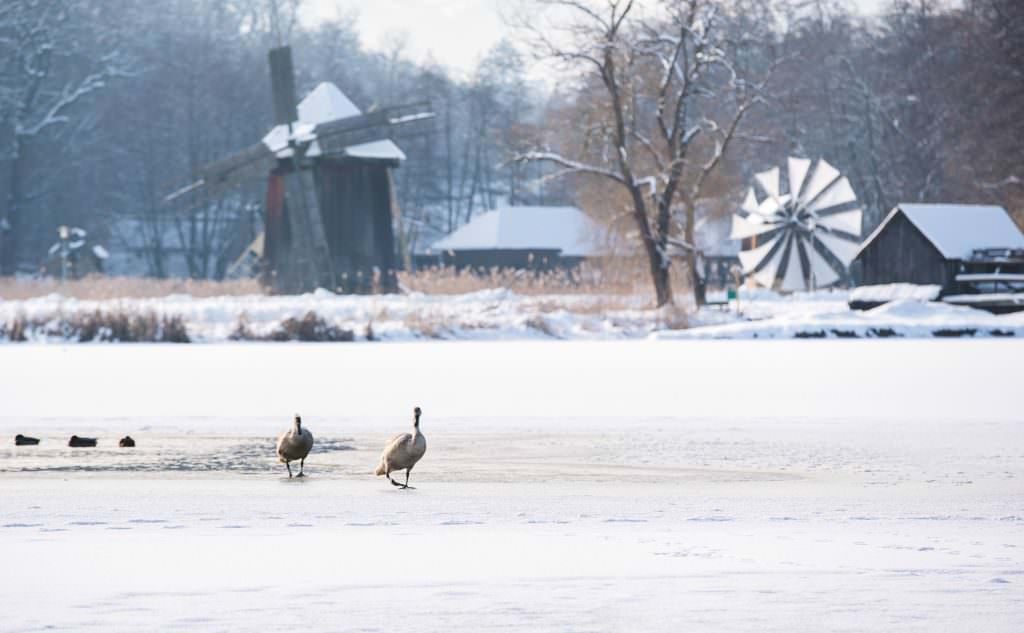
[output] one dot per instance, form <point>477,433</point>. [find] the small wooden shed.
<point>933,243</point>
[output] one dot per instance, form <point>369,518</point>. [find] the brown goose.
<point>294,444</point>
<point>402,452</point>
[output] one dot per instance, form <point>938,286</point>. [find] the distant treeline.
<point>106,106</point>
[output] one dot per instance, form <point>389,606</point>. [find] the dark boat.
<point>126,442</point>
<point>81,442</point>
<point>23,440</point>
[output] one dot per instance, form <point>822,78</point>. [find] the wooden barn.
<point>963,249</point>
<point>528,238</point>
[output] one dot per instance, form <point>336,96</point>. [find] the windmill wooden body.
<point>330,202</point>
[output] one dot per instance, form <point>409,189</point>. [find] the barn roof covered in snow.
<point>564,229</point>
<point>324,104</point>
<point>957,229</point>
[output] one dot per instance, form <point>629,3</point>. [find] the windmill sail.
<point>813,228</point>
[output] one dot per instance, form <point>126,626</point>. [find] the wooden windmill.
<point>330,198</point>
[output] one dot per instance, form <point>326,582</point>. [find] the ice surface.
<point>855,485</point>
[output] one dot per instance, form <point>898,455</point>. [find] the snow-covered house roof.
<point>564,229</point>
<point>324,104</point>
<point>957,229</point>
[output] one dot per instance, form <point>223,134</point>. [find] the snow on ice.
<point>587,486</point>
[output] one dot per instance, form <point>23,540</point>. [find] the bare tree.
<point>669,103</point>
<point>53,60</point>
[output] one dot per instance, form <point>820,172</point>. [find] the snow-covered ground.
<point>502,315</point>
<point>568,486</point>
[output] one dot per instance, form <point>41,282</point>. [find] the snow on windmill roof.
<point>565,229</point>
<point>324,104</point>
<point>957,229</point>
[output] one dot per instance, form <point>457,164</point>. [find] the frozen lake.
<point>568,486</point>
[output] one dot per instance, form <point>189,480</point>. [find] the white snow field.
<point>800,485</point>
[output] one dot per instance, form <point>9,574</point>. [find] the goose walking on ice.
<point>402,452</point>
<point>294,444</point>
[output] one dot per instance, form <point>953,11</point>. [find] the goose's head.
<point>416,412</point>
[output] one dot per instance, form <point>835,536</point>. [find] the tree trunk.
<point>660,278</point>
<point>10,235</point>
<point>698,281</point>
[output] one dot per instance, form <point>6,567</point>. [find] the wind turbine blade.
<point>823,175</point>
<point>797,170</point>
<point>847,221</point>
<point>839,192</point>
<point>843,248</point>
<point>752,259</point>
<point>823,273</point>
<point>769,180</point>
<point>743,228</point>
<point>794,278</point>
<point>750,202</point>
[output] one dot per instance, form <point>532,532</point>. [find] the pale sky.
<point>456,33</point>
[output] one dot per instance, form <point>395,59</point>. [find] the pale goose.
<point>294,444</point>
<point>402,452</point>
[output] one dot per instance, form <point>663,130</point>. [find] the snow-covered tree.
<point>666,95</point>
<point>54,57</point>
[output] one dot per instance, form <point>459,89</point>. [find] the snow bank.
<point>488,314</point>
<point>500,314</point>
<point>883,293</point>
<point>904,318</point>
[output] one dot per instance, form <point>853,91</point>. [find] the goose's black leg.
<point>289,467</point>
<point>407,486</point>
<point>302,464</point>
<point>393,482</point>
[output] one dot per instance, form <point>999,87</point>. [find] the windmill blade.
<point>405,120</point>
<point>823,176</point>
<point>769,209</point>
<point>840,246</point>
<point>743,228</point>
<point>761,255</point>
<point>769,181</point>
<point>794,277</point>
<point>821,269</point>
<point>770,268</point>
<point>282,85</point>
<point>839,192</point>
<point>250,163</point>
<point>750,202</point>
<point>847,221</point>
<point>796,169</point>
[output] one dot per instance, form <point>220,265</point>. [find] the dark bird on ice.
<point>24,440</point>
<point>402,452</point>
<point>294,444</point>
<point>126,442</point>
<point>81,442</point>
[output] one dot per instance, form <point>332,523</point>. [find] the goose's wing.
<point>396,442</point>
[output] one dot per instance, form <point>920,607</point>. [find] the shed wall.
<point>900,253</point>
